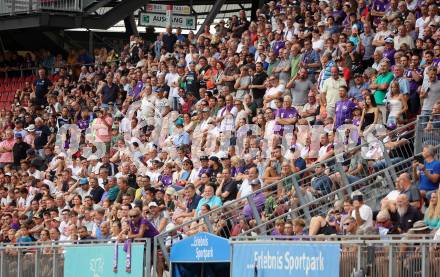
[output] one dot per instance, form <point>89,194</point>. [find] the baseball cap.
<point>18,135</point>
<point>152,204</point>
<point>204,158</point>
<point>83,181</point>
<point>255,182</point>
<point>389,40</point>
<point>171,191</point>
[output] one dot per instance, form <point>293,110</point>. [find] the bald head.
<point>405,180</point>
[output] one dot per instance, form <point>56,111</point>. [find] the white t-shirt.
<point>318,45</point>
<point>272,92</point>
<point>170,78</point>
<point>366,214</point>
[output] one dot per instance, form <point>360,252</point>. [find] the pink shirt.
<point>7,157</point>
<point>101,130</point>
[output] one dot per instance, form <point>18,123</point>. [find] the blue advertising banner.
<point>97,260</point>
<point>285,259</point>
<point>201,248</point>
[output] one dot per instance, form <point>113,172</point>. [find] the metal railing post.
<point>344,180</point>
<point>19,262</point>
<point>417,138</point>
<point>424,264</point>
<point>54,272</point>
<point>256,214</point>
<point>148,259</point>
<point>389,164</point>
<point>300,196</point>
<point>359,252</point>
<point>36,267</point>
<point>154,256</point>
<point>164,251</point>
<point>1,262</point>
<point>208,223</point>
<point>390,260</point>
<point>388,178</point>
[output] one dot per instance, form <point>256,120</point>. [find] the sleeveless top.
<point>395,106</point>
<point>368,120</point>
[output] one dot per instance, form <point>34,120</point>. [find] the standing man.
<point>41,87</point>
<point>330,91</point>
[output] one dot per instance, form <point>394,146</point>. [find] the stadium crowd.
<point>184,124</point>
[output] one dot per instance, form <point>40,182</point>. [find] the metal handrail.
<point>65,243</point>
<point>234,202</point>
<point>334,193</point>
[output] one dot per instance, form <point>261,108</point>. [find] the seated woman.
<point>199,226</point>
<point>431,218</point>
<point>324,226</point>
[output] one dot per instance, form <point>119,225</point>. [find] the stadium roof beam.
<point>96,5</point>
<point>130,25</point>
<point>212,14</point>
<point>72,20</point>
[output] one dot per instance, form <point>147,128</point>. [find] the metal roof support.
<point>130,25</point>
<point>256,4</point>
<point>212,14</point>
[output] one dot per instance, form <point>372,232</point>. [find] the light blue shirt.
<point>213,201</point>
<point>181,139</point>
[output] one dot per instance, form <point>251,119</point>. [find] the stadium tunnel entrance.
<point>201,255</point>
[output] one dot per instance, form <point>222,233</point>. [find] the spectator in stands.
<point>349,226</point>
<point>209,198</point>
<point>320,225</point>
<point>258,198</point>
<point>407,214</point>
<point>428,172</point>
<point>409,189</point>
<point>431,219</point>
<point>330,91</point>
<point>41,87</point>
<point>362,213</point>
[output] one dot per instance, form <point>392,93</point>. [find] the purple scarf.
<point>127,249</point>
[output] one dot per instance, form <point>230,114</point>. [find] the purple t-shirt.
<point>389,54</point>
<point>413,84</point>
<point>284,113</point>
<point>344,111</point>
<point>150,233</point>
<point>83,124</point>
<point>167,180</point>
<point>137,89</point>
<point>277,46</point>
<point>379,6</point>
<point>259,200</point>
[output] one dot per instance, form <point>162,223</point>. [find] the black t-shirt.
<point>230,186</point>
<point>168,42</point>
<point>109,94</point>
<point>96,194</point>
<point>407,221</point>
<point>41,89</point>
<point>193,203</point>
<point>41,136</point>
<point>19,151</point>
<point>259,79</point>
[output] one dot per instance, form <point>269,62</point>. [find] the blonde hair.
<point>435,213</point>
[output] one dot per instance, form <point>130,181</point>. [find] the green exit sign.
<point>146,19</point>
